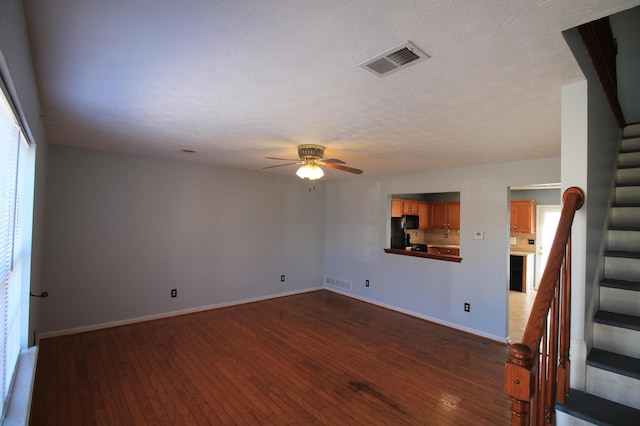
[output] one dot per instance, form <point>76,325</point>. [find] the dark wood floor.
<point>317,358</point>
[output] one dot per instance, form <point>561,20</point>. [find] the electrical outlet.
<point>366,283</point>
<point>532,242</point>
<point>174,292</point>
<point>467,307</point>
<point>282,278</point>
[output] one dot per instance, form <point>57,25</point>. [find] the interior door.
<point>547,218</point>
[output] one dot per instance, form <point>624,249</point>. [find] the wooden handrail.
<point>537,369</point>
<point>602,47</point>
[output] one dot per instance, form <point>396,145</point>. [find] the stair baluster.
<point>537,370</point>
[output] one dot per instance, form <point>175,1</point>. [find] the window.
<point>16,194</point>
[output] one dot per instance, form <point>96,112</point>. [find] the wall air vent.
<point>338,283</point>
<point>395,59</point>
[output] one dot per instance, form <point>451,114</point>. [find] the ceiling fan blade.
<point>333,161</point>
<point>284,159</point>
<point>343,168</point>
<point>280,165</point>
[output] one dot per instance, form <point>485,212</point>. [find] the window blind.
<point>12,144</point>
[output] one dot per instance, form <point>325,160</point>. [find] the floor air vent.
<point>395,59</point>
<point>338,283</point>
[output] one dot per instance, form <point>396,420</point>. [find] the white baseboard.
<point>421,316</point>
<point>83,329</point>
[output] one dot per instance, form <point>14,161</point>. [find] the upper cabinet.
<point>410,207</point>
<point>445,215</point>
<point>423,213</point>
<point>396,207</point>
<point>523,216</point>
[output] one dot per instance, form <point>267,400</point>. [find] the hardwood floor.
<point>318,358</point>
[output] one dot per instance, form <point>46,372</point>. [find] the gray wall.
<point>590,142</point>
<point>626,29</point>
<point>121,231</point>
<point>548,197</point>
<point>357,231</point>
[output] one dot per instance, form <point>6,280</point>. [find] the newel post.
<point>519,382</point>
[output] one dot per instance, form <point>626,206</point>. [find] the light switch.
<point>513,241</point>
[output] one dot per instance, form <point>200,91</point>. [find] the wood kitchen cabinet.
<point>445,215</point>
<point>410,207</point>
<point>423,212</point>
<point>397,207</point>
<point>449,251</point>
<point>523,216</point>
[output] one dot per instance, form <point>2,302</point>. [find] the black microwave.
<point>411,222</point>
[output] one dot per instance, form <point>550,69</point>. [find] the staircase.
<point>612,394</point>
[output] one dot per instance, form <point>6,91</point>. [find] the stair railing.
<point>537,369</point>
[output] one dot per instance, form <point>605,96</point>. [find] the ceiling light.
<point>310,170</point>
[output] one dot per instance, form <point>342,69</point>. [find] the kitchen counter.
<point>520,253</point>
<point>424,254</point>
<point>443,245</point>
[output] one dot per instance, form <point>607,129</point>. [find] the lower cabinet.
<point>449,251</point>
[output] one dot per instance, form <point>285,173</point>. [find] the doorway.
<point>547,218</point>
<point>548,207</point>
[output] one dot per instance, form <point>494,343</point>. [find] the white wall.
<point>14,44</point>
<point>121,231</point>
<point>357,231</point>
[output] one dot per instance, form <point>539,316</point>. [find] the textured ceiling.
<point>240,80</point>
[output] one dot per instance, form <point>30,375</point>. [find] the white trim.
<point>421,316</point>
<point>83,329</point>
<point>19,399</point>
<point>11,94</point>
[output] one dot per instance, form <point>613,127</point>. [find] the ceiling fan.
<point>311,160</point>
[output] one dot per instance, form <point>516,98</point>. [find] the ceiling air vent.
<point>395,59</point>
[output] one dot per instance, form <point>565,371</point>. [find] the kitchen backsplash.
<point>522,243</point>
<point>434,236</point>
<point>437,236</point>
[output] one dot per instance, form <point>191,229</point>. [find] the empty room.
<point>246,212</point>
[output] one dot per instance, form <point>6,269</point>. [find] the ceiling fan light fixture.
<point>310,170</point>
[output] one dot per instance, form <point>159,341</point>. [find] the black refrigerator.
<point>398,239</point>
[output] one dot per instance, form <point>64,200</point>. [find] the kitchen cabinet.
<point>414,208</point>
<point>396,207</point>
<point>445,215</point>
<point>423,212</point>
<point>410,207</point>
<point>449,251</point>
<point>523,216</point>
